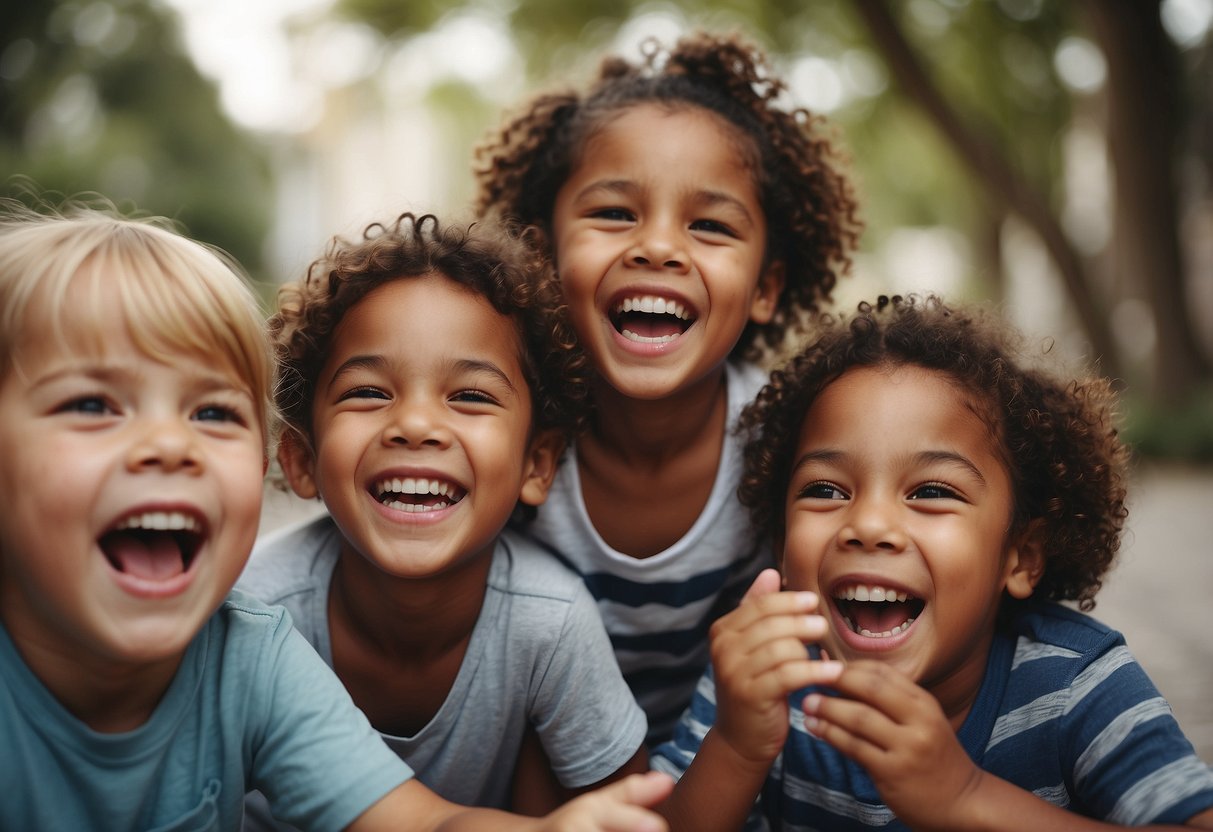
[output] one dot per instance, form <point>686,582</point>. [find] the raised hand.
<point>759,656</point>
<point>899,733</point>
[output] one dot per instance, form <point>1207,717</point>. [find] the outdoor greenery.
<point>956,113</point>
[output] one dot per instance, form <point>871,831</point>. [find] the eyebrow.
<point>379,363</point>
<point>829,455</point>
<point>627,186</point>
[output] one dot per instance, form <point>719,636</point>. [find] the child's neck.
<point>647,433</point>
<point>647,468</point>
<point>398,643</point>
<point>109,698</point>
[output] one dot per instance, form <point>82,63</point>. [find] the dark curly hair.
<point>1067,466</point>
<point>807,201</point>
<point>485,257</point>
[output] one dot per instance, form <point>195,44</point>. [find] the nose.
<point>872,525</point>
<point>417,424</point>
<point>165,443</point>
<point>658,245</point>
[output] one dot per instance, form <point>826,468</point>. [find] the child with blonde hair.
<point>137,689</point>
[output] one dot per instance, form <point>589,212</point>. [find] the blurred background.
<point>1054,157</point>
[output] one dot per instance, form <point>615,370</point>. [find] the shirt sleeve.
<point>674,756</point>
<point>1131,762</point>
<point>584,712</point>
<point>318,760</point>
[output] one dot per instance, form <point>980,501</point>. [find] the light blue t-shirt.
<point>252,705</point>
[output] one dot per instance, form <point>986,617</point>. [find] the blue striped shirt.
<point>657,610</point>
<point>1064,712</point>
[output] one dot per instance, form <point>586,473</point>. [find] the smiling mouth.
<point>649,319</point>
<point>877,612</point>
<point>154,545</point>
<point>417,494</point>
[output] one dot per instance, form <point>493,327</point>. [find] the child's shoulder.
<point>1053,625</point>
<point>524,567</point>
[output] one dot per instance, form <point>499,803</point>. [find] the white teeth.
<point>161,521</point>
<point>646,339</point>
<point>415,507</point>
<point>411,485</point>
<point>900,628</point>
<point>870,593</point>
<point>654,306</point>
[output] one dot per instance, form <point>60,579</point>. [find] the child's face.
<point>659,241</point>
<point>132,493</point>
<point>897,493</point>
<point>421,427</point>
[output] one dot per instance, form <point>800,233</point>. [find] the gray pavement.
<point>1158,594</point>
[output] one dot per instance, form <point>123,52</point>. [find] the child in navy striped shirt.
<point>934,498</point>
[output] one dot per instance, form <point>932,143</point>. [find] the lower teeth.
<point>900,628</point>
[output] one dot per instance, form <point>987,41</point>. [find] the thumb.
<point>766,583</point>
<point>646,789</point>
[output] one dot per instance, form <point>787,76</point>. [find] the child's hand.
<point>898,732</point>
<point>622,806</point>
<point>759,657</point>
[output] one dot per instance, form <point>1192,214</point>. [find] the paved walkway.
<point>1159,595</point>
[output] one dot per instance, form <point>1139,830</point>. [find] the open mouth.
<point>649,319</point>
<point>416,494</point>
<point>153,545</point>
<point>875,611</point>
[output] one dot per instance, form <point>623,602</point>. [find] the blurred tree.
<point>99,96</point>
<point>985,74</point>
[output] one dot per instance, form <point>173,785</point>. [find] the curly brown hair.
<point>808,203</point>
<point>484,257</point>
<point>1066,463</point>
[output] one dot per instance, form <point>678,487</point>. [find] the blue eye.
<point>218,413</point>
<point>90,405</point>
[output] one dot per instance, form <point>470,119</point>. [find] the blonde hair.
<point>177,295</point>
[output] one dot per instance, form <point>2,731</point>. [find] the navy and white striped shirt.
<point>657,610</point>
<point>1064,711</point>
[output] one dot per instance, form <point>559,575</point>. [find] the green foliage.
<point>1183,431</point>
<point>100,97</point>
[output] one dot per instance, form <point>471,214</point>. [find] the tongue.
<point>154,556</point>
<point>878,617</point>
<point>651,326</point>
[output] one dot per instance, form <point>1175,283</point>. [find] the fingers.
<point>766,583</point>
<point>623,806</point>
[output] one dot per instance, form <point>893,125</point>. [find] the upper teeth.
<point>161,521</point>
<point>411,485</point>
<point>655,306</point>
<point>870,593</point>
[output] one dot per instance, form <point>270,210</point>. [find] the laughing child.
<point>934,497</point>
<point>429,388</point>
<point>137,690</point>
<point>693,221</point>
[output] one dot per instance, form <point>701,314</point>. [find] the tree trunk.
<point>1144,117</point>
<point>1003,184</point>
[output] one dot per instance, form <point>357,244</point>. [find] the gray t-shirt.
<point>538,654</point>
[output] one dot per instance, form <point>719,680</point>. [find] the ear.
<point>1025,561</point>
<point>767,292</point>
<point>298,463</point>
<point>543,457</point>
